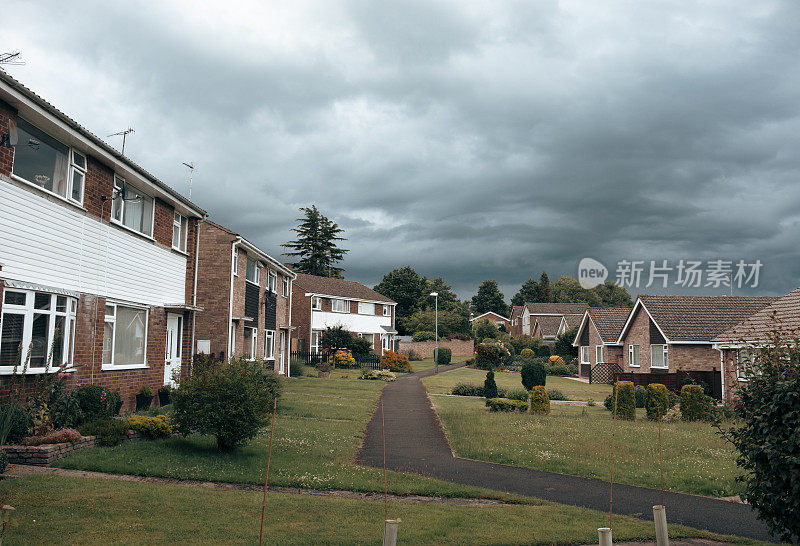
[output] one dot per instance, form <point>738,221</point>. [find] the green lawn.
<point>66,510</point>
<point>318,428</point>
<point>427,363</point>
<point>575,390</point>
<point>577,440</point>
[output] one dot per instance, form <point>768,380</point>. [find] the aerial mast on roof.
<point>124,134</point>
<point>191,174</point>
<point>11,57</point>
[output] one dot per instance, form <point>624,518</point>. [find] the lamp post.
<point>436,333</point>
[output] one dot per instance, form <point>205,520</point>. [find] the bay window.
<point>269,345</point>
<point>37,331</point>
<point>124,337</point>
<point>340,306</point>
<point>658,357</point>
<point>180,226</point>
<point>132,208</point>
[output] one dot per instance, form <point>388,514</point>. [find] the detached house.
<point>491,316</point>
<point>549,318</point>
<point>597,337</point>
<point>516,320</point>
<point>321,302</point>
<point>97,255</point>
<point>247,299</point>
<point>670,337</point>
<point>740,342</point>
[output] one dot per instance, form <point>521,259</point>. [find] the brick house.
<point>98,255</point>
<point>246,297</point>
<point>531,312</point>
<point>516,320</point>
<point>493,317</point>
<point>673,334</point>
<point>597,337</point>
<point>322,302</point>
<point>738,343</point>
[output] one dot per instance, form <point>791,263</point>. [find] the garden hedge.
<point>657,401</point>
<point>444,355</point>
<point>506,405</point>
<point>626,400</point>
<point>695,404</point>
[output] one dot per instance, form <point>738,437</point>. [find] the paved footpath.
<point>415,442</point>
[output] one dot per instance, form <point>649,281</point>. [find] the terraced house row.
<point>110,272</point>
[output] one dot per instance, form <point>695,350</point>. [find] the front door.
<point>172,359</point>
<point>283,351</point>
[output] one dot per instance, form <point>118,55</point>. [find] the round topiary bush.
<point>657,402</point>
<point>527,353</point>
<point>533,374</point>
<point>540,402</point>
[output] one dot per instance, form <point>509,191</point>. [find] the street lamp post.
<point>436,333</point>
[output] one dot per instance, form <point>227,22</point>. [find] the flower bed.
<point>46,454</point>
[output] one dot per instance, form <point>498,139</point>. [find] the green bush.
<point>97,402</point>
<point>444,355</point>
<point>3,460</point>
<point>467,389</point>
<point>67,412</point>
<point>150,427</point>
<point>110,431</point>
<point>640,392</point>
<point>527,353</point>
<point>231,401</point>
<point>657,403</point>
<point>533,374</point>
<point>423,336</point>
<point>360,347</point>
<point>414,356</point>
<point>695,404</point>
<point>506,405</point>
<point>626,400</point>
<point>543,351</point>
<point>489,356</point>
<point>514,394</point>
<point>540,402</point>
<point>383,375</point>
<point>555,394</point>
<point>489,386</point>
<point>296,367</point>
<point>395,362</point>
<point>17,420</point>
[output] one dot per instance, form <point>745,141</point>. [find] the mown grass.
<point>427,363</point>
<point>575,390</point>
<point>577,440</point>
<point>67,510</point>
<point>318,428</point>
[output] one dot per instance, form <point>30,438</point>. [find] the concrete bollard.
<point>660,519</point>
<point>390,532</point>
<point>604,534</point>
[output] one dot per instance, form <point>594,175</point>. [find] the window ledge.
<point>34,371</point>
<point>47,192</point>
<point>659,368</point>
<point>634,365</point>
<point>131,230</point>
<point>114,368</point>
<point>181,252</point>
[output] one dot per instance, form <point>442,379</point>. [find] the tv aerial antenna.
<point>191,175</point>
<point>124,134</point>
<point>11,57</point>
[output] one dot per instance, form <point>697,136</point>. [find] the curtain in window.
<point>129,336</point>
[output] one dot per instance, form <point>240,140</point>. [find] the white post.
<point>660,519</point>
<point>604,534</point>
<point>390,532</point>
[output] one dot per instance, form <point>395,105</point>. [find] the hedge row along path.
<point>415,442</point>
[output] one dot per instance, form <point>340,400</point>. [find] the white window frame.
<point>285,286</point>
<point>369,337</point>
<point>387,310</point>
<point>585,354</point>
<point>28,311</point>
<point>743,354</point>
<point>344,302</point>
<point>366,308</point>
<point>634,355</point>
<point>256,269</point>
<point>314,341</point>
<point>665,349</point>
<point>598,354</point>
<point>235,261</point>
<point>316,303</point>
<point>269,345</point>
<point>272,282</point>
<point>181,223</point>
<point>118,193</point>
<point>253,342</point>
<point>112,319</point>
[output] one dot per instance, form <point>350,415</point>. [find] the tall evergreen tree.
<point>489,298</point>
<point>528,293</point>
<point>316,245</point>
<point>545,289</point>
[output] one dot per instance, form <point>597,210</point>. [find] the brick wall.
<point>425,348</point>
<point>213,286</point>
<point>99,185</point>
<point>7,113</point>
<point>699,358</point>
<point>301,318</point>
<point>638,334</point>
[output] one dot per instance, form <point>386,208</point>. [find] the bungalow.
<point>97,256</point>
<point>322,302</point>
<point>496,318</point>
<point>246,296</point>
<point>738,343</point>
<point>597,337</point>
<point>532,311</point>
<point>671,336</point>
<point>548,328</point>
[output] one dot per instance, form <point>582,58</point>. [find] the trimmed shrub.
<point>557,369</point>
<point>423,335</point>
<point>360,347</point>
<point>640,393</point>
<point>506,405</point>
<point>555,394</point>
<point>515,394</point>
<point>695,404</point>
<point>110,431</point>
<point>395,362</point>
<point>150,427</point>
<point>97,402</point>
<point>489,386</point>
<point>626,400</point>
<point>231,401</point>
<point>343,359</point>
<point>657,403</point>
<point>467,389</point>
<point>63,436</point>
<point>533,374</point>
<point>540,402</point>
<point>384,375</point>
<point>543,350</point>
<point>488,356</point>
<point>19,422</point>
<point>444,355</point>
<point>527,353</point>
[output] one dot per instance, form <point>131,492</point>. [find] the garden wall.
<point>425,348</point>
<point>46,454</point>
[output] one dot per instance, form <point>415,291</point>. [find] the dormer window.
<point>132,208</point>
<point>43,161</point>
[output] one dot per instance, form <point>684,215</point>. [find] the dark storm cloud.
<point>467,139</point>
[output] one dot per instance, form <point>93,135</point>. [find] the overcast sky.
<point>471,140</point>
